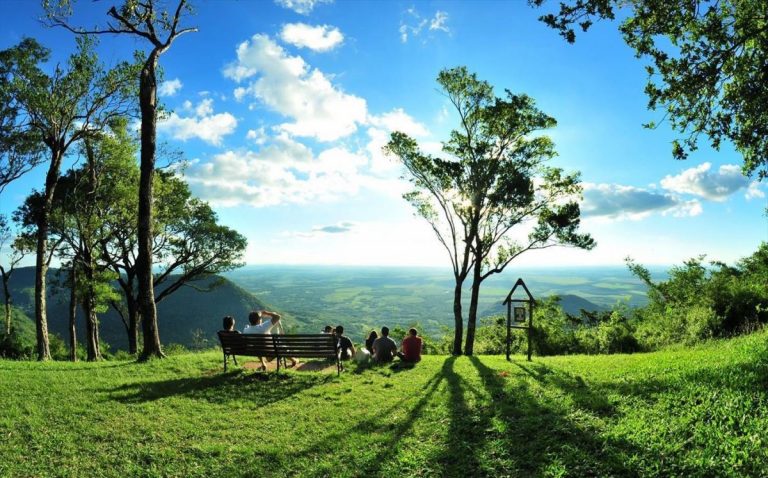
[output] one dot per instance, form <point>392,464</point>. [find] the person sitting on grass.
<point>384,348</point>
<point>228,324</point>
<point>346,348</point>
<point>410,350</point>
<point>370,340</point>
<point>259,326</point>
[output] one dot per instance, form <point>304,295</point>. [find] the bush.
<point>16,345</point>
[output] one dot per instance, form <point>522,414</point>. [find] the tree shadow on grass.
<point>509,429</point>
<point>553,428</point>
<point>263,388</point>
<point>380,424</point>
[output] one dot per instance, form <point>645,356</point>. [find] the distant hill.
<point>180,315</point>
<point>571,304</point>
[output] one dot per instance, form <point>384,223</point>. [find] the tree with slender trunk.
<point>492,178</point>
<point>159,28</point>
<point>61,109</point>
<point>18,251</point>
<point>73,312</point>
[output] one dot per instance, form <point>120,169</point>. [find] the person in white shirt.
<point>259,326</point>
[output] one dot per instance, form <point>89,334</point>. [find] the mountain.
<point>571,304</point>
<point>180,315</point>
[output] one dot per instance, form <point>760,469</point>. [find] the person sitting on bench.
<point>346,348</point>
<point>259,326</point>
<point>228,324</point>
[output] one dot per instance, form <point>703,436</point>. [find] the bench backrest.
<point>294,345</point>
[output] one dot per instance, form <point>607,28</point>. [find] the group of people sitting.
<point>381,349</point>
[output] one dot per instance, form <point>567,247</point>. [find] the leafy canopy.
<point>707,66</point>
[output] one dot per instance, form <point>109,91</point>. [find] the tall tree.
<point>150,22</point>
<point>18,251</point>
<point>188,244</point>
<point>707,65</point>
<point>60,109</point>
<point>493,178</point>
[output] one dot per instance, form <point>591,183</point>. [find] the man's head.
<point>339,330</point>
<point>328,329</point>
<point>413,332</point>
<point>228,322</point>
<point>255,317</point>
<point>385,331</point>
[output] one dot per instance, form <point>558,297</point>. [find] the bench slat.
<point>265,345</point>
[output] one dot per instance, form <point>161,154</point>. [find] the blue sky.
<point>282,107</point>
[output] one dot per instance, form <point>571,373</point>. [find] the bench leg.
<point>225,362</point>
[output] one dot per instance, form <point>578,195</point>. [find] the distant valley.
<point>360,298</point>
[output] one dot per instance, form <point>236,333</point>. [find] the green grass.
<point>685,412</point>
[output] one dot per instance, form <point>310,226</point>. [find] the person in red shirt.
<point>410,349</point>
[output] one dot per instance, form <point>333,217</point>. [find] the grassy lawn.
<point>686,412</point>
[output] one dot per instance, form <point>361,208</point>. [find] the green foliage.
<point>707,66</point>
<point>492,179</point>
<point>700,411</point>
<point>20,343</point>
<point>698,302</point>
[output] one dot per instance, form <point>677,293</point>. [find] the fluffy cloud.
<point>287,85</point>
<point>258,136</point>
<point>414,24</point>
<point>378,136</point>
<point>627,202</point>
<point>169,87</point>
<point>754,191</point>
<point>284,171</point>
<point>204,125</point>
<point>303,7</point>
<point>317,38</point>
<point>700,181</point>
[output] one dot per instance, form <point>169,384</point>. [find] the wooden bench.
<point>279,346</point>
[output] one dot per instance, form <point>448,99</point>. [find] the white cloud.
<point>282,172</point>
<point>699,181</point>
<point>169,87</point>
<point>439,21</point>
<point>414,24</point>
<point>287,85</point>
<point>379,134</point>
<point>204,125</point>
<point>318,38</point>
<point>258,136</point>
<point>614,201</point>
<point>754,191</point>
<point>303,7</point>
<point>399,120</point>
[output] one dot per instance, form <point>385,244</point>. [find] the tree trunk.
<point>7,295</point>
<point>41,263</point>
<point>72,313</point>
<point>89,307</point>
<point>146,294</point>
<point>91,330</point>
<point>473,304</point>
<point>458,331</point>
<point>133,326</point>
